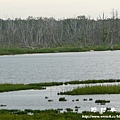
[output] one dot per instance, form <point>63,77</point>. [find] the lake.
<point>36,99</point>
<point>59,67</point>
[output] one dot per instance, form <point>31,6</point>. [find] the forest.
<point>79,32</point>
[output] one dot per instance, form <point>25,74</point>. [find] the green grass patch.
<point>13,51</point>
<point>18,50</point>
<point>92,81</point>
<point>110,89</point>
<point>52,115</point>
<point>15,87</point>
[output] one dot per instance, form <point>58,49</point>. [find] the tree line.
<point>41,32</point>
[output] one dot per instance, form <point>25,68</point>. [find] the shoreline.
<point>56,115</point>
<point>6,87</point>
<point>22,51</point>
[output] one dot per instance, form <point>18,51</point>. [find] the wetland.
<point>35,81</point>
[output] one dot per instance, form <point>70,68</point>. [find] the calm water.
<point>35,99</point>
<point>59,67</point>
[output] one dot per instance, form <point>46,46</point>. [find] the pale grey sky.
<point>57,8</point>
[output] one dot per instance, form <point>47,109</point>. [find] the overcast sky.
<point>57,8</point>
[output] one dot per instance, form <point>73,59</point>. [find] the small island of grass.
<point>6,87</point>
<point>110,89</point>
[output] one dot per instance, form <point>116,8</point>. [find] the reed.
<point>92,81</point>
<point>15,87</point>
<point>18,50</point>
<point>109,89</point>
<point>52,115</point>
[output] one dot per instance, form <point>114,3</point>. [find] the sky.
<point>58,9</point>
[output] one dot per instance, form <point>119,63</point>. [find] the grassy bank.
<point>13,51</point>
<point>109,89</point>
<point>53,115</point>
<point>92,81</point>
<point>15,87</point>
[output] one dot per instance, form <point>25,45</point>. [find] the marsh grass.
<point>109,89</point>
<point>45,84</point>
<point>15,87</point>
<point>92,81</point>
<point>13,51</point>
<point>69,109</point>
<point>102,101</point>
<point>62,99</point>
<point>51,115</point>
<point>18,50</point>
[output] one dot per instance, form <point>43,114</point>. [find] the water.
<point>35,99</point>
<point>59,67</point>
